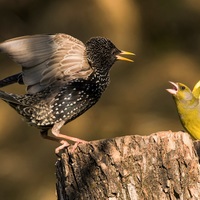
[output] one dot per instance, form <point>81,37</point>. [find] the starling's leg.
<point>44,134</point>
<point>56,131</point>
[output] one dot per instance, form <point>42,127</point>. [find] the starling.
<point>63,77</point>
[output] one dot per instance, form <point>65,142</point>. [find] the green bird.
<point>188,107</point>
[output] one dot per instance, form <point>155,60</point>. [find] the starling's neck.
<point>102,80</point>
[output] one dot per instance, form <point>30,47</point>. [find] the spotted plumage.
<point>64,78</point>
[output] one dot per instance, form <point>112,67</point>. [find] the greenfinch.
<point>188,107</point>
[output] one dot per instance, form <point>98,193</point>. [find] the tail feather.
<point>16,78</point>
<point>9,98</point>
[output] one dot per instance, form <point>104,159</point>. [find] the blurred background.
<point>164,35</point>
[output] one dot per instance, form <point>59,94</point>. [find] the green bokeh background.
<point>164,35</point>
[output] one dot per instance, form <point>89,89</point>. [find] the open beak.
<point>174,90</point>
<point>119,57</point>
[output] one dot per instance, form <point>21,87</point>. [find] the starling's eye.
<point>113,52</point>
<point>182,87</point>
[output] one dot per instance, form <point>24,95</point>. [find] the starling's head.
<point>102,53</point>
<point>181,92</point>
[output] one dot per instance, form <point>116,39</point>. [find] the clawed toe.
<point>77,143</point>
<point>64,144</point>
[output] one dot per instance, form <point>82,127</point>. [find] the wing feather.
<point>46,59</point>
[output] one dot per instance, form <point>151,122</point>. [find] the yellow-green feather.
<point>196,90</point>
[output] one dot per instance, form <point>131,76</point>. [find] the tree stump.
<point>164,165</point>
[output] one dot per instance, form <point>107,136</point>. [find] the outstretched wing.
<point>46,59</point>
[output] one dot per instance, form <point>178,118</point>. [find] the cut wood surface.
<point>164,165</point>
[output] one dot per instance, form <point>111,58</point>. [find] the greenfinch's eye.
<point>182,87</point>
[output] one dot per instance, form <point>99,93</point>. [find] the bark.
<point>164,165</point>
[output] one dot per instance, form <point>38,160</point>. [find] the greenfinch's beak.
<point>119,57</point>
<point>174,90</point>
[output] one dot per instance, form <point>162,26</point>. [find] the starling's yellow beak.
<point>119,57</point>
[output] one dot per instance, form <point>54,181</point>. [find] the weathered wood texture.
<point>163,165</point>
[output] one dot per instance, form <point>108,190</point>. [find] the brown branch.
<point>163,165</point>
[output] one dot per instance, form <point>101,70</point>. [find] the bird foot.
<point>64,144</point>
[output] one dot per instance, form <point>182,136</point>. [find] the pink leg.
<point>56,131</point>
<point>45,135</point>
